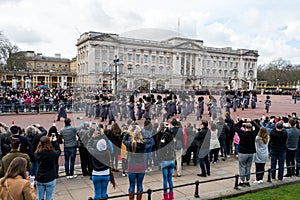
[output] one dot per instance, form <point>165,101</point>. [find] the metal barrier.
<point>197,184</point>
<point>43,107</point>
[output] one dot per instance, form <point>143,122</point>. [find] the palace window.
<point>161,60</point>
<point>104,67</point>
<point>145,58</point>
<point>153,59</point>
<point>129,57</point>
<point>137,58</point>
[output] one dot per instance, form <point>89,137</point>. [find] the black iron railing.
<point>197,184</point>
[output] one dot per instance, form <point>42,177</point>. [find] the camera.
<point>53,134</point>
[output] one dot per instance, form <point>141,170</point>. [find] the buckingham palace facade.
<point>175,63</point>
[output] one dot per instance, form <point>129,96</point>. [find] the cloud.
<point>54,26</point>
<point>25,35</point>
<point>10,1</point>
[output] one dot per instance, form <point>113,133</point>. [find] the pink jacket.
<point>236,138</point>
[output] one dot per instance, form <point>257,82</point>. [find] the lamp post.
<point>116,60</point>
<point>152,78</point>
<point>64,77</point>
<point>27,79</point>
<point>129,77</point>
<point>251,80</point>
<point>14,82</point>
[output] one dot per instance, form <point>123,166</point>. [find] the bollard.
<point>149,191</point>
<point>197,189</point>
<point>269,176</point>
<point>236,182</point>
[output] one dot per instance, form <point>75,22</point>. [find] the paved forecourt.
<point>82,187</point>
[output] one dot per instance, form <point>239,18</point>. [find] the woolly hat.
<point>101,145</point>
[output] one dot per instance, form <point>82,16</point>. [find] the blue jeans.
<point>280,157</point>
<point>34,168</point>
<point>136,178</point>
<point>47,188</point>
<point>70,155</point>
<point>100,186</point>
<point>236,149</point>
<point>167,177</point>
<point>148,157</point>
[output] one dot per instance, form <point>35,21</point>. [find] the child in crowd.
<point>124,152</point>
<point>236,142</point>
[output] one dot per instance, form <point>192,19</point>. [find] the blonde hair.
<point>136,138</point>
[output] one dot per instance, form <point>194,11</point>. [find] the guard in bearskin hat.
<point>200,108</point>
<point>104,110</point>
<point>174,105</point>
<point>267,104</point>
<point>169,107</point>
<point>147,108</point>
<point>123,108</point>
<point>139,105</point>
<point>159,105</point>
<point>111,109</point>
<point>153,107</point>
<point>130,106</point>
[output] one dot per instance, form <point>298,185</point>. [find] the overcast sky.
<point>53,26</point>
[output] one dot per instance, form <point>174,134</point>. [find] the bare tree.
<point>279,72</point>
<point>9,56</point>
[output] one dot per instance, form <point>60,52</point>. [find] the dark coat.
<point>247,138</point>
<point>278,140</point>
<point>202,139</point>
<point>47,165</point>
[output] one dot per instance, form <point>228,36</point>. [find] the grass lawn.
<point>282,192</point>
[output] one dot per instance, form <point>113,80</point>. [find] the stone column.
<point>191,64</point>
<point>63,82</point>
<point>184,71</point>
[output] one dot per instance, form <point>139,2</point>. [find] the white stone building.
<point>176,63</point>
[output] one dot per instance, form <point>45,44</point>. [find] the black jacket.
<point>247,138</point>
<point>202,139</point>
<point>100,159</point>
<point>223,130</point>
<point>47,165</point>
<point>278,140</point>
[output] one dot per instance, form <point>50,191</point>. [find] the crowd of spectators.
<point>167,145</point>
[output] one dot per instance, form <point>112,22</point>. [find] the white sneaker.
<point>261,181</point>
<point>123,174</point>
<point>68,177</point>
<point>256,182</point>
<point>74,176</point>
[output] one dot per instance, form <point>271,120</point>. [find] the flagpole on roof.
<point>178,26</point>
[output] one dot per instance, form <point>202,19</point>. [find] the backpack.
<point>166,139</point>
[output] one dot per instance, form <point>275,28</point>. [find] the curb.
<point>241,191</point>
